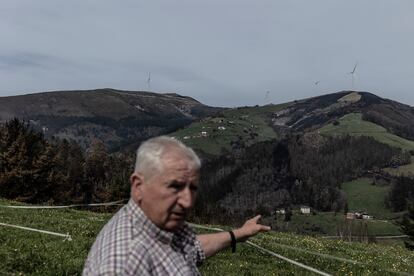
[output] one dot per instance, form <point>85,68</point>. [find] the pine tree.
<point>25,163</point>
<point>95,172</point>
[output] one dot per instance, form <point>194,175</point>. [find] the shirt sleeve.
<point>200,256</point>
<point>190,240</point>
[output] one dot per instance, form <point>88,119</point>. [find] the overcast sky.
<point>221,52</point>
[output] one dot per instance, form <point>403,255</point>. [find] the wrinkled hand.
<point>250,228</point>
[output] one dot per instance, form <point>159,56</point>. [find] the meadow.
<point>363,196</point>
<point>246,125</point>
<point>29,253</point>
<point>331,224</point>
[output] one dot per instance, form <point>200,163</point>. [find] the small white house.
<point>305,209</point>
<point>221,128</point>
<point>366,216</point>
<point>204,133</point>
<point>186,137</point>
<point>280,211</point>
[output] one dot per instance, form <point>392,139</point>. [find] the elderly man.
<point>149,235</point>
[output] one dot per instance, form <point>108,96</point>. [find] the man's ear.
<point>137,180</point>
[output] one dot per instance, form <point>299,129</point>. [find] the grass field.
<point>363,196</point>
<point>29,253</point>
<point>330,224</point>
<point>251,124</point>
<point>353,124</point>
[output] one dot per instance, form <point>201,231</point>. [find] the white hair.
<point>150,153</point>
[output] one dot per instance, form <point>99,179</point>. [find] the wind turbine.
<point>267,96</point>
<point>352,73</point>
<point>149,81</point>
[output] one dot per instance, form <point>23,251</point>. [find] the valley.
<point>338,154</point>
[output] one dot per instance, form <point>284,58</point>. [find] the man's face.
<point>167,197</point>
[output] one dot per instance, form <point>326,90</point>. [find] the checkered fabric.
<point>130,244</point>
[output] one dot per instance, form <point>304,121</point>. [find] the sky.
<point>220,52</point>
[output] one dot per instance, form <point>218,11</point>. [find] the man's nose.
<point>186,198</point>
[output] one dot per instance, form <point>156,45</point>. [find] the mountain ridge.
<point>121,117</point>
<point>116,117</point>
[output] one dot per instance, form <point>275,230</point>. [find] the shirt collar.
<point>142,223</point>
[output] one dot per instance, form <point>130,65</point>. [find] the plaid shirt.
<point>130,244</point>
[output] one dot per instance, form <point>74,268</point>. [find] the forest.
<point>302,169</point>
<point>36,170</point>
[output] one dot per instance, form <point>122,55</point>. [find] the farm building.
<point>366,216</point>
<point>350,215</point>
<point>358,215</point>
<point>280,211</point>
<point>305,209</point>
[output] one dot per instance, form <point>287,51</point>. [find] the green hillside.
<point>232,127</point>
<point>353,124</point>
<point>405,170</point>
<point>29,253</point>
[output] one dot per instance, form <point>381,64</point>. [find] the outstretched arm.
<point>213,243</point>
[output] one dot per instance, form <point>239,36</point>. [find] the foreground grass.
<point>370,259</point>
<point>30,253</point>
<point>39,254</point>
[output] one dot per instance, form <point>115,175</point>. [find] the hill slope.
<point>393,121</point>
<point>113,116</point>
<point>315,112</point>
<point>231,129</point>
<point>352,124</point>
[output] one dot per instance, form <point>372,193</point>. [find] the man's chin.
<point>174,224</point>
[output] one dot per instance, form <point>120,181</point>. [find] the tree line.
<point>36,170</point>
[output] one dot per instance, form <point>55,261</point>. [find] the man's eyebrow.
<point>176,182</point>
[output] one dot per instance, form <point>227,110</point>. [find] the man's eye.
<point>194,188</point>
<point>176,186</point>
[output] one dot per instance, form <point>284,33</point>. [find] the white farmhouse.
<point>281,211</point>
<point>305,209</point>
